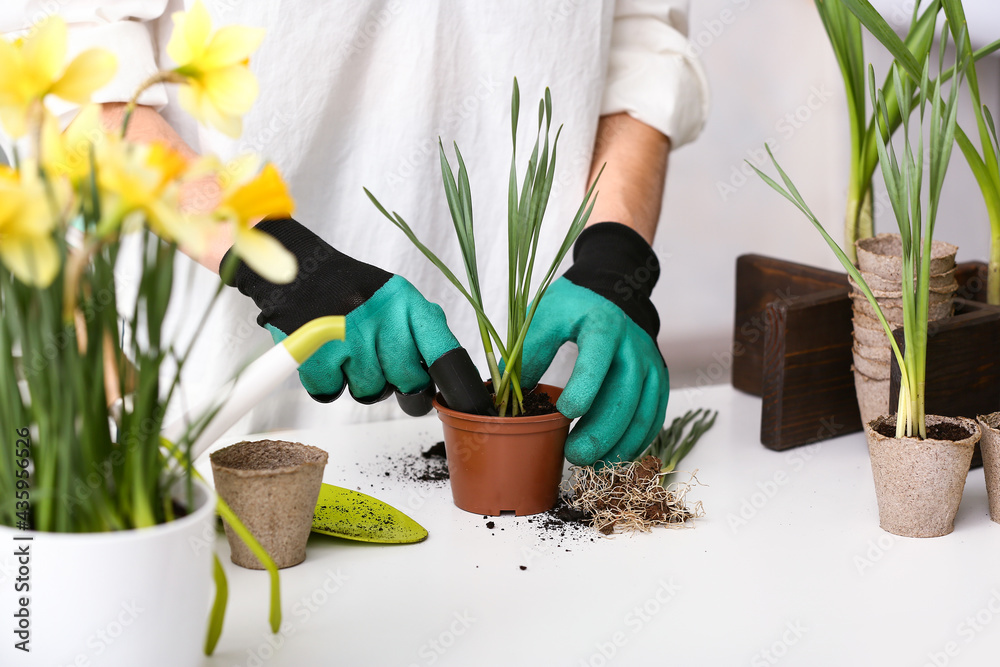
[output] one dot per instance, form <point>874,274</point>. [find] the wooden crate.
<point>792,347</point>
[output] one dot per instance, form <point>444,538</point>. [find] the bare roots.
<point>629,497</point>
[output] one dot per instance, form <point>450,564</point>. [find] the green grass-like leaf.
<point>218,615</point>
<point>903,181</point>
<point>671,445</point>
<point>844,31</point>
<point>526,207</point>
<point>227,514</point>
<point>983,161</point>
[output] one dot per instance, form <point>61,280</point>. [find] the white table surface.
<point>787,567</point>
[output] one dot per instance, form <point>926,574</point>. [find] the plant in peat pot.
<point>512,461</point>
<point>844,31</point>
<point>985,164</point>
<point>919,461</point>
<point>879,258</point>
<point>91,489</point>
<point>781,279</point>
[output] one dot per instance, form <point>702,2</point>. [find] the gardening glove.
<point>392,331</point>
<point>619,384</point>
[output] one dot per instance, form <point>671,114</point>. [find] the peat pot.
<point>117,599</point>
<point>990,446</point>
<point>919,483</point>
<point>504,464</point>
<point>272,486</point>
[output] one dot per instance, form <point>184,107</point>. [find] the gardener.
<point>356,94</point>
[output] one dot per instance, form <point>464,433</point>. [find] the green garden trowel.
<point>353,515</point>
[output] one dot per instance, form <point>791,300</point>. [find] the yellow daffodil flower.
<point>219,88</point>
<point>68,153</point>
<point>27,247</point>
<point>32,68</point>
<point>140,184</point>
<point>246,198</point>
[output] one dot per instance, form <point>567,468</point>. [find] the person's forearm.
<point>201,195</point>
<point>146,126</point>
<point>631,187</point>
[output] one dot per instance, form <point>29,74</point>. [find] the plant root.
<point>629,497</point>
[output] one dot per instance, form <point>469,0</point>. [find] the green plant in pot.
<point>101,503</point>
<point>909,54</point>
<point>494,462</point>
<point>844,31</point>
<point>919,461</point>
<point>871,360</point>
<point>845,37</point>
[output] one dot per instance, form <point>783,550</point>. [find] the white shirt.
<point>357,93</point>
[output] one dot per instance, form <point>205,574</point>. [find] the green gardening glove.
<point>619,384</point>
<point>392,332</point>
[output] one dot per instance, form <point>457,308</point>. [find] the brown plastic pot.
<point>272,486</point>
<point>919,483</point>
<point>504,464</point>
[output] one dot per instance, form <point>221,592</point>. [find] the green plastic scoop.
<point>356,516</point>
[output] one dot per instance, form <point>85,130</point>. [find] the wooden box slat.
<point>760,281</point>
<point>963,363</point>
<point>808,386</point>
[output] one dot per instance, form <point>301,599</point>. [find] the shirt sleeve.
<point>114,25</point>
<point>653,74</point>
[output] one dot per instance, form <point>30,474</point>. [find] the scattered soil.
<point>943,431</point>
<point>436,451</point>
<point>622,497</point>
<point>563,515</point>
<point>431,465</point>
<point>435,468</point>
<point>562,522</point>
<point>629,497</point>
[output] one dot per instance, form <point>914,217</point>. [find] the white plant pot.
<point>128,598</point>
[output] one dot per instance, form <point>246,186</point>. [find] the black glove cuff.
<point>328,281</point>
<point>614,261</point>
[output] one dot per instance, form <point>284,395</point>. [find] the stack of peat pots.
<point>880,263</point>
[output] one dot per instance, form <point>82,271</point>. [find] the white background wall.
<point>774,79</point>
